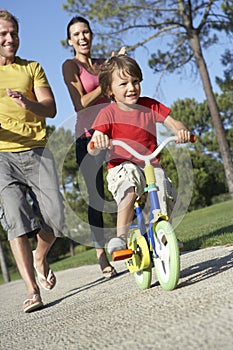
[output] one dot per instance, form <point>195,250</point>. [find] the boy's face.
<point>125,89</point>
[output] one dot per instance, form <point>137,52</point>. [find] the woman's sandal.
<point>32,304</point>
<point>42,278</point>
<point>107,269</point>
<point>109,272</point>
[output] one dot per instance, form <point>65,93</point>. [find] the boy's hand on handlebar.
<point>183,136</point>
<point>101,142</point>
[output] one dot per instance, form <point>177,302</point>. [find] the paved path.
<point>86,312</point>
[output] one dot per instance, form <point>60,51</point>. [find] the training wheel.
<point>140,258</point>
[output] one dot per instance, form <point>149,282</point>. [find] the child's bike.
<point>153,243</point>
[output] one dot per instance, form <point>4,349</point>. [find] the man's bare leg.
<point>22,252</point>
<point>44,244</point>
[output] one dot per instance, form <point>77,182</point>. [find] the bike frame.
<point>153,244</point>
<point>156,237</point>
<point>155,215</point>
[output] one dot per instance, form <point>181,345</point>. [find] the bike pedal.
<point>122,254</point>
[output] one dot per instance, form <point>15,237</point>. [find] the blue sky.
<point>43,26</point>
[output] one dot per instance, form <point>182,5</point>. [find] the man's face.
<point>9,41</point>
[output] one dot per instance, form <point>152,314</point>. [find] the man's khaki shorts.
<point>29,193</point>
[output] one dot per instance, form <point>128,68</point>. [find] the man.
<point>30,201</point>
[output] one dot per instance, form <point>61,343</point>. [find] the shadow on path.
<point>203,270</point>
<point>83,288</point>
<point>206,269</point>
<point>192,274</point>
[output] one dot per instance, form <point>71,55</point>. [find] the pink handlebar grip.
<point>193,138</point>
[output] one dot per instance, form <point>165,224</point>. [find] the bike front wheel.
<point>167,257</point>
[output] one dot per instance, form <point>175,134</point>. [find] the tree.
<point>62,144</point>
<point>209,180</point>
<point>197,118</point>
<point>226,84</point>
<point>187,27</point>
<point>225,101</point>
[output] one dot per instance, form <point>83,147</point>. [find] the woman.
<point>81,78</point>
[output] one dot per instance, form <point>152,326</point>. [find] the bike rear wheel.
<point>143,278</point>
<point>167,258</point>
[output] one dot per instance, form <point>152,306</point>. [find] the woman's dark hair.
<point>124,64</point>
<point>77,19</point>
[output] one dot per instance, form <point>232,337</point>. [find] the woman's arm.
<point>79,98</point>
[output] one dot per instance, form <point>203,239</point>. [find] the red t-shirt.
<point>137,128</point>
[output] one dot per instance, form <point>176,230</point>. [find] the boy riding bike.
<point>132,119</point>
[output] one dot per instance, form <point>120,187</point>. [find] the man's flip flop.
<point>33,303</point>
<point>42,278</point>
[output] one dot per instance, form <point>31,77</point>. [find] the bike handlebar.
<point>145,158</point>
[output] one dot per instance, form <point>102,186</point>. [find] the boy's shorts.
<point>127,175</point>
<point>29,193</point>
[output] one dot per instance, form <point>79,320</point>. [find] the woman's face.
<point>80,38</point>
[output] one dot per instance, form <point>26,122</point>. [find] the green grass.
<point>87,257</point>
<point>210,226</point>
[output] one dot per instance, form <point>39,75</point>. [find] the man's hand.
<point>18,97</point>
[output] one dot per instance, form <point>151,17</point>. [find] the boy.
<point>132,119</point>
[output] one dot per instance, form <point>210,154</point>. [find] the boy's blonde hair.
<point>124,64</point>
<point>7,16</point>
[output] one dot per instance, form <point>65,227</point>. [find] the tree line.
<point>187,28</point>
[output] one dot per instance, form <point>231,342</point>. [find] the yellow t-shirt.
<point>21,129</point>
